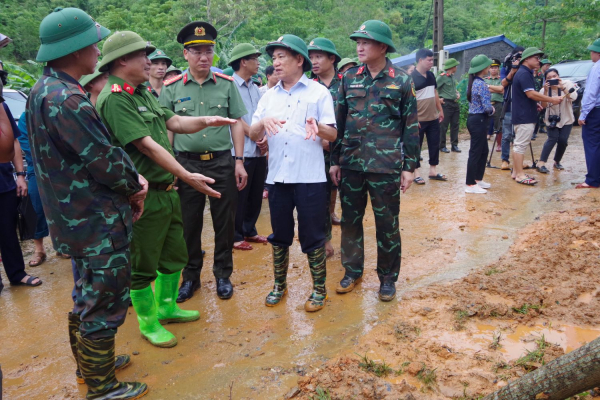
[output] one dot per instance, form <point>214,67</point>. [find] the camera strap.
<point>552,105</point>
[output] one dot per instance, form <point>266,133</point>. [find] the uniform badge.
<point>183,99</point>
<point>391,72</point>
<point>142,109</point>
<point>357,86</point>
<point>361,70</point>
<point>200,31</point>
<point>392,87</point>
<point>412,85</point>
<point>280,38</point>
<point>311,43</point>
<point>159,52</point>
<point>115,88</point>
<point>362,27</point>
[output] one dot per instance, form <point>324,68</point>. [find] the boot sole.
<point>314,309</point>
<point>386,298</point>
<point>177,320</point>
<point>81,381</point>
<point>273,305</point>
<point>341,290</point>
<point>145,392</point>
<point>165,345</point>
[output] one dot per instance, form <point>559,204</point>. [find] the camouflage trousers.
<point>384,191</point>
<point>102,293</point>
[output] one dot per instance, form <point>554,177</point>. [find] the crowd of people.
<point>123,154</point>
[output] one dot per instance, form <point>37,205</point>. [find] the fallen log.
<point>566,376</point>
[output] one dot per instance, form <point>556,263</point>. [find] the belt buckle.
<point>206,157</point>
<point>169,188</point>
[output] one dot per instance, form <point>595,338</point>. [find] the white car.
<point>16,102</point>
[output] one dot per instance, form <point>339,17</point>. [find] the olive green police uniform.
<point>446,86</point>
<point>208,153</point>
<point>158,250</point>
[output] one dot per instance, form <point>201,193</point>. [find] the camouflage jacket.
<point>83,180</point>
<point>376,121</point>
<point>333,87</point>
<point>538,80</point>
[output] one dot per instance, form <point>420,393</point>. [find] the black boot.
<point>187,289</point>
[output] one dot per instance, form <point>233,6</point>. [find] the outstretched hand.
<point>272,125</point>
<point>219,121</point>
<point>312,128</point>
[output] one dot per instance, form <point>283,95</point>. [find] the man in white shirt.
<point>296,115</point>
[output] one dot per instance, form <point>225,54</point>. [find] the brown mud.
<point>516,263</point>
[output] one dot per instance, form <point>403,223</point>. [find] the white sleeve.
<point>326,109</point>
<point>260,108</point>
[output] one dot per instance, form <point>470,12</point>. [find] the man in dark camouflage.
<point>88,189</point>
<point>377,121</point>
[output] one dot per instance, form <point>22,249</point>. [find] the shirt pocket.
<point>185,108</point>
<point>304,111</point>
<point>356,100</point>
<point>219,107</point>
<point>148,117</point>
<point>390,103</point>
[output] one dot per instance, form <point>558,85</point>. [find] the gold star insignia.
<point>200,31</point>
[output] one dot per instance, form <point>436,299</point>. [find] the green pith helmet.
<point>173,68</point>
<point>531,51</point>
<point>66,30</point>
<point>595,46</point>
<point>120,44</point>
<point>545,61</point>
<point>243,50</point>
<point>479,63</point>
<point>375,30</point>
<point>346,61</point>
<point>88,78</point>
<point>294,43</point>
<point>326,45</point>
<point>228,71</point>
<point>160,55</point>
<point>451,62</point>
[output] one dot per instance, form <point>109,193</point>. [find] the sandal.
<point>527,181</point>
<point>63,255</point>
<point>256,239</point>
<point>585,186</point>
<point>438,177</point>
<point>37,259</point>
<point>242,246</point>
<point>28,282</point>
<point>419,181</point>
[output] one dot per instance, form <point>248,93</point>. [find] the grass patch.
<point>495,345</point>
<point>321,394</point>
<point>524,309</point>
<point>428,377</point>
<point>374,367</point>
<point>460,318</point>
<point>400,370</point>
<point>493,271</point>
<point>534,357</point>
<point>406,331</point>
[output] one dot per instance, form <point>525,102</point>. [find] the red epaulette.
<point>316,79</point>
<point>149,89</point>
<point>116,88</point>
<point>443,74</point>
<point>220,75</point>
<point>391,72</point>
<point>361,69</point>
<point>172,80</point>
<point>340,76</point>
<point>128,88</point>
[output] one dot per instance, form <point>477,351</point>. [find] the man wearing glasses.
<point>244,62</point>
<point>201,92</point>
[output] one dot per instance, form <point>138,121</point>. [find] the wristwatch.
<point>239,158</point>
<point>20,173</point>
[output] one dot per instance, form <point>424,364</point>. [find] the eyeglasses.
<point>197,53</point>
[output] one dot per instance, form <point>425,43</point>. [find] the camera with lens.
<point>553,120</point>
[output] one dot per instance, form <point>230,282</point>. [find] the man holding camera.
<point>525,110</point>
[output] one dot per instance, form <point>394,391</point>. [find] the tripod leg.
<point>492,152</point>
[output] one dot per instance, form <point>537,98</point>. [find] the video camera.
<point>512,60</point>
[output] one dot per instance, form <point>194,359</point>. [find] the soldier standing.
<point>158,69</point>
<point>345,64</point>
<point>324,58</point>
<point>88,189</point>
<point>296,114</point>
<point>377,116</point>
<point>449,96</point>
<point>200,91</point>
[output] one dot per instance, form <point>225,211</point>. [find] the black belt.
<point>203,156</point>
<point>160,186</point>
<point>445,100</point>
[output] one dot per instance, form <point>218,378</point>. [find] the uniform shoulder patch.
<point>172,80</point>
<point>392,72</point>
<point>340,76</point>
<point>116,88</point>
<point>220,75</point>
<point>361,69</point>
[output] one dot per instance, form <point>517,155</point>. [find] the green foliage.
<point>378,369</point>
<point>19,78</point>
<point>534,357</point>
<point>524,309</point>
<point>322,394</point>
<point>428,377</point>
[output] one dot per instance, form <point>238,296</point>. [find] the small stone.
<point>135,353</point>
<point>504,237</point>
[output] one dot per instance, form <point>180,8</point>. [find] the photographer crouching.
<point>525,111</point>
<point>559,119</point>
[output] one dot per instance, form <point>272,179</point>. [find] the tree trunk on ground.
<point>566,376</point>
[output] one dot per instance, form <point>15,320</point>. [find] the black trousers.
<point>250,198</point>
<point>451,118</point>
<point>308,200</point>
<point>10,248</point>
<point>478,125</point>
<point>222,211</point>
<point>558,137</point>
<point>431,129</point>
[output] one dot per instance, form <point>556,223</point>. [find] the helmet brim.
<point>53,51</point>
<point>123,51</point>
<point>376,37</point>
<point>307,66</point>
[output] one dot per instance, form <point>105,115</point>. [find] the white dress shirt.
<point>292,159</point>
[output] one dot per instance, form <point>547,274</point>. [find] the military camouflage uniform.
<point>84,183</point>
<point>538,80</point>
<point>377,121</point>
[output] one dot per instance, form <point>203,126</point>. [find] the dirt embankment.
<point>467,338</point>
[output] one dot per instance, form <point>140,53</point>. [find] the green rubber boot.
<point>151,329</point>
<point>166,290</point>
<point>97,365</point>
<point>121,361</point>
<point>281,261</point>
<point>318,270</point>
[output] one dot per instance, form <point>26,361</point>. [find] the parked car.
<point>16,101</point>
<point>575,71</point>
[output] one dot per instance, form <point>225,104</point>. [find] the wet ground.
<point>242,349</point>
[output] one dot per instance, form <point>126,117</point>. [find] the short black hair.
<point>236,64</point>
<point>550,70</point>
<point>423,53</point>
<point>270,70</point>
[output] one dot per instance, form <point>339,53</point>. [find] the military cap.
<point>120,44</point>
<point>256,79</point>
<point>495,62</point>
<point>243,50</point>
<point>545,61</point>
<point>345,61</point>
<point>294,43</point>
<point>85,79</point>
<point>479,63</point>
<point>197,33</point>
<point>160,55</point>
<point>451,62</point>
<point>228,71</point>
<point>595,46</point>
<point>66,30</point>
<point>173,68</point>
<point>325,45</point>
<point>531,51</point>
<point>375,30</point>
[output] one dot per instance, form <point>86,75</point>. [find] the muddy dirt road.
<point>241,347</point>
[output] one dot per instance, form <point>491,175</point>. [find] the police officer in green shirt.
<point>197,92</point>
<point>449,96</point>
<point>160,64</point>
<point>495,84</point>
<point>139,125</point>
